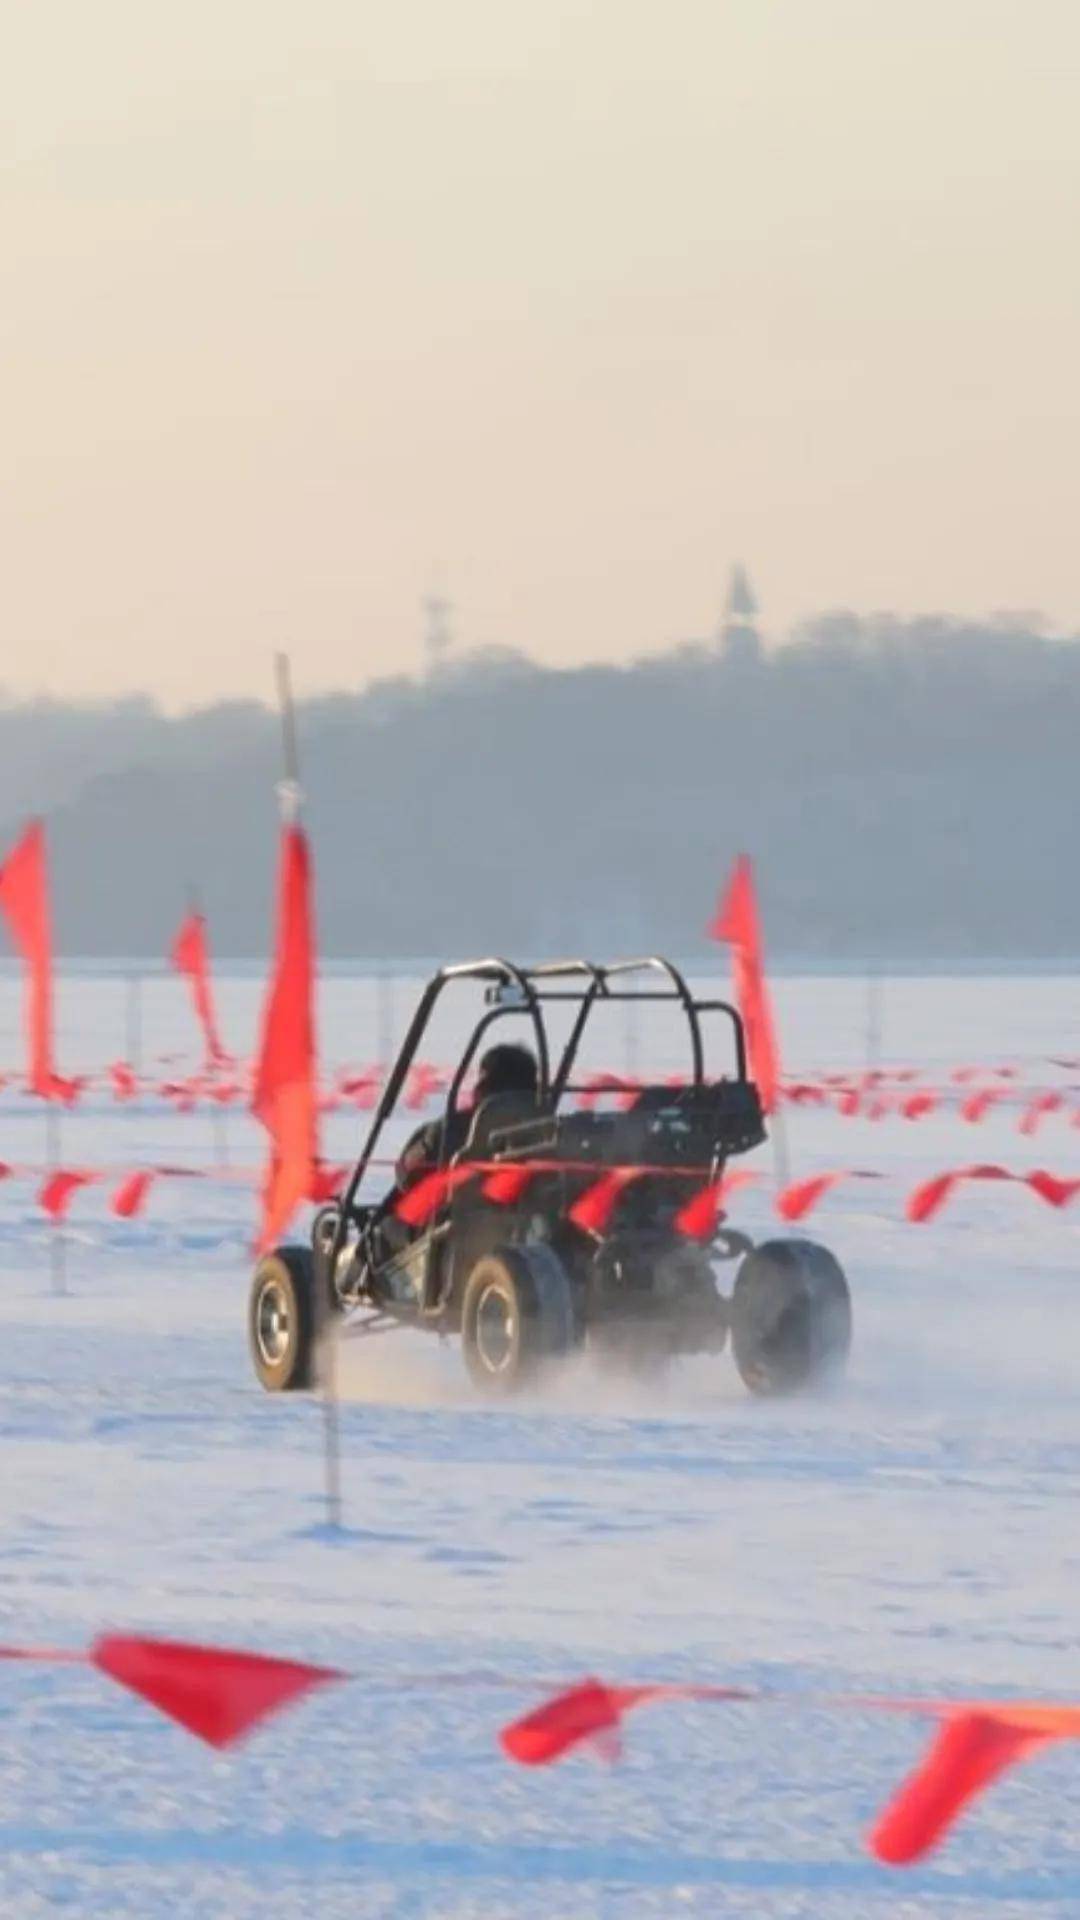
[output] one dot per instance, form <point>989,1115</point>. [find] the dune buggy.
<point>560,1225</point>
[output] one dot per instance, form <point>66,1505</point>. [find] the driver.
<point>507,1068</point>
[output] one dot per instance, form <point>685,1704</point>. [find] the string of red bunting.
<point>222,1694</point>
<point>504,1183</point>
<point>872,1096</point>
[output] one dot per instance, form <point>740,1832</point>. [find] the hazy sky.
<point>560,304</point>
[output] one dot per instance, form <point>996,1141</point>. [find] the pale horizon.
<point>558,309</point>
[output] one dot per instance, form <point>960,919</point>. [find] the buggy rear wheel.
<point>790,1317</point>
<point>283,1319</point>
<point>516,1315</point>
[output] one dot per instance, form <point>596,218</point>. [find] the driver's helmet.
<point>507,1068</point>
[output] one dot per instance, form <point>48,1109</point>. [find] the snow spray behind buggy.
<point>549,1228</point>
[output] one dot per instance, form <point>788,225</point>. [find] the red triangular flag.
<point>190,955</point>
<point>130,1196</point>
<point>1051,1188</point>
<point>699,1217</point>
<point>586,1712</point>
<point>802,1196</point>
<point>60,1189</point>
<point>214,1692</point>
<point>420,1202</point>
<point>285,1096</point>
<point>967,1754</point>
<point>593,1211</point>
<point>24,901</point>
<point>736,921</point>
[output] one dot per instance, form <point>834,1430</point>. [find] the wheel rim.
<point>273,1326</point>
<point>494,1330</point>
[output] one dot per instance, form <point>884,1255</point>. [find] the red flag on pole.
<point>24,901</point>
<point>285,1079</point>
<point>190,955</point>
<point>737,922</point>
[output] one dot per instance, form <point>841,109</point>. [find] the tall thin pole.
<point>133,1023</point>
<point>290,753</point>
<point>384,1017</point>
<point>781,1154</point>
<point>874,1019</point>
<point>291,798</point>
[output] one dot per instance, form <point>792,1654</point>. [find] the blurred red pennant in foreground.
<point>968,1753</point>
<point>220,1694</point>
<point>976,1743</point>
<point>736,921</point>
<point>190,955</point>
<point>216,1693</point>
<point>285,1079</point>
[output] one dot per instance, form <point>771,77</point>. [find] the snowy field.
<point>917,1532</point>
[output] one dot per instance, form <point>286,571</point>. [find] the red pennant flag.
<point>130,1196</point>
<point>1036,1109</point>
<point>802,1197</point>
<point>190,955</point>
<point>917,1105</point>
<point>799,1199</point>
<point>285,1096</point>
<point>977,1105</point>
<point>1051,1188</point>
<point>125,1086</point>
<point>594,1210</point>
<point>737,922</point>
<point>217,1694</point>
<point>506,1185</point>
<point>699,1217</point>
<point>583,1713</point>
<point>327,1183</point>
<point>423,1083</point>
<point>24,901</point>
<point>928,1199</point>
<point>417,1205</point>
<point>60,1189</point>
<point>968,1753</point>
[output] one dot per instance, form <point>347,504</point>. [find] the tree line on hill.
<point>906,788</point>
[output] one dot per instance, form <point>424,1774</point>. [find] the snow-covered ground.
<point>915,1532</point>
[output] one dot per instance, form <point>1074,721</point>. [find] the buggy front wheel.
<point>283,1319</point>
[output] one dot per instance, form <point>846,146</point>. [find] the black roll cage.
<point>531,988</point>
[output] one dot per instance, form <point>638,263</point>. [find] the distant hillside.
<point>905,788</point>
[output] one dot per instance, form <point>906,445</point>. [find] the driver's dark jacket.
<point>424,1149</point>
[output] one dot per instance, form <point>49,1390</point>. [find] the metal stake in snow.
<point>57,1244</point>
<point>290,796</point>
